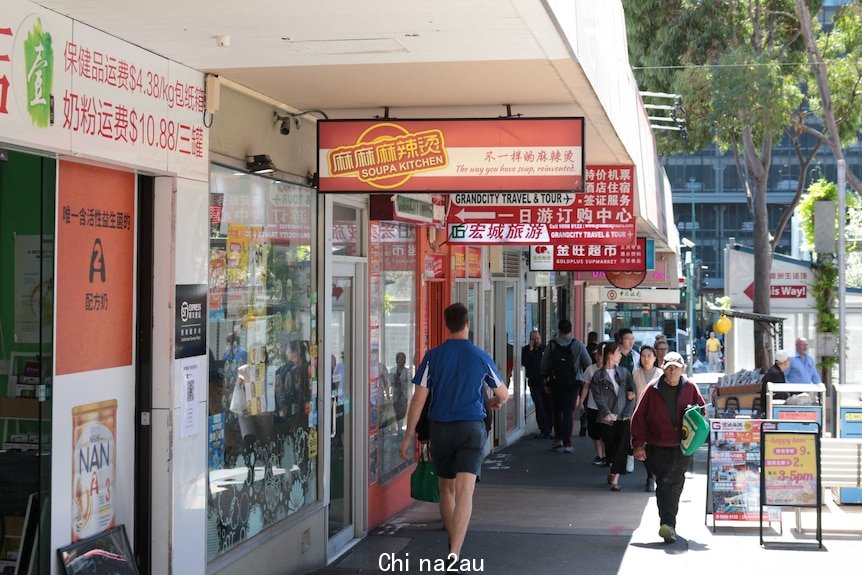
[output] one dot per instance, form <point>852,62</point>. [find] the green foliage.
<point>842,50</point>
<point>821,191</point>
<point>736,64</point>
<point>824,286</point>
<point>823,289</point>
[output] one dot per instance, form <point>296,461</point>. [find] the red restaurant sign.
<point>451,155</point>
<point>589,257</point>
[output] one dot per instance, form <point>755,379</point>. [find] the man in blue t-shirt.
<point>457,372</point>
<point>802,369</point>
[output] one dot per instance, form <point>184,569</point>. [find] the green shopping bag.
<point>423,480</point>
<point>695,430</point>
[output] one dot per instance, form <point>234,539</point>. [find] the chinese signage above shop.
<point>603,214</point>
<point>589,257</point>
<point>67,87</point>
<point>451,155</point>
<point>95,267</point>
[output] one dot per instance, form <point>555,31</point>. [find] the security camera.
<point>284,127</point>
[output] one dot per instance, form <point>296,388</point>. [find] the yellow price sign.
<point>790,468</point>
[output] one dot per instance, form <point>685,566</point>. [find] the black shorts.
<point>456,447</point>
<point>594,427</point>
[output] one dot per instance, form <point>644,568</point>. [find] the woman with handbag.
<point>614,393</point>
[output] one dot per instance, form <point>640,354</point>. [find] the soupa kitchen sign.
<point>451,155</point>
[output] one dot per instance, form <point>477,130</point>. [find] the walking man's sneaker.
<point>557,445</point>
<point>597,461</point>
<point>667,533</point>
<point>568,450</point>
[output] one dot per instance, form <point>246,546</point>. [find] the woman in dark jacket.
<point>775,374</point>
<point>656,433</point>
<point>614,392</point>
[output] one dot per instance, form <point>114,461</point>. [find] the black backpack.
<point>562,372</point>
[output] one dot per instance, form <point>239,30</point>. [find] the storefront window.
<point>263,447</point>
<point>393,300</point>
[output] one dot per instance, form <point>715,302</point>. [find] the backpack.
<point>562,373</point>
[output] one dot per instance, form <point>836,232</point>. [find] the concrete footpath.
<point>540,512</point>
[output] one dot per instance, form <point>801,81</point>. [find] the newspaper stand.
<point>790,471</point>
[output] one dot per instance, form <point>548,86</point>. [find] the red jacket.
<point>651,422</point>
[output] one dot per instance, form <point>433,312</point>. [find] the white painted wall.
<point>179,475</point>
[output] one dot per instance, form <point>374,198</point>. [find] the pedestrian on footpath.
<point>656,432</point>
<point>614,392</point>
<point>457,371</point>
<point>563,364</point>
<point>802,368</point>
<point>629,358</point>
<point>531,361</point>
<point>661,349</point>
<point>646,373</point>
<point>587,405</point>
<point>713,353</point>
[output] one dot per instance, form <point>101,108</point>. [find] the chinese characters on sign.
<point>790,468</point>
<point>68,87</point>
<point>589,257</point>
<point>190,321</point>
<point>451,155</point>
<point>95,267</point>
<point>733,469</point>
<point>603,214</point>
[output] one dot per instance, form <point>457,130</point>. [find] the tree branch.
<point>743,177</point>
<point>804,166</point>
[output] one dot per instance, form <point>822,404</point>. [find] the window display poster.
<point>94,471</point>
<point>95,267</point>
<point>790,468</point>
<point>734,463</point>
<point>34,294</point>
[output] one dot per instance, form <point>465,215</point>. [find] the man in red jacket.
<point>656,431</point>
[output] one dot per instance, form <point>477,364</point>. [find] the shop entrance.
<point>27,186</point>
<point>345,351</point>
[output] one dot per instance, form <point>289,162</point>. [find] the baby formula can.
<point>94,471</point>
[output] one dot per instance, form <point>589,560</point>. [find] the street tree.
<point>739,67</point>
<point>835,62</point>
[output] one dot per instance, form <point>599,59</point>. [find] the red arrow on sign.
<point>780,291</point>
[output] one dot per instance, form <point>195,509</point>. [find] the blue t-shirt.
<point>801,370</point>
<point>456,371</point>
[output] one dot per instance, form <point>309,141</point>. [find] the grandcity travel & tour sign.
<point>544,154</point>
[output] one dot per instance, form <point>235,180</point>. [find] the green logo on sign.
<point>39,59</point>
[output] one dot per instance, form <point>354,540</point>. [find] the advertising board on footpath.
<point>790,470</point>
<point>734,478</point>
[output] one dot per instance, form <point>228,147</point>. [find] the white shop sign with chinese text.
<point>69,88</point>
<point>602,215</point>
<point>636,295</point>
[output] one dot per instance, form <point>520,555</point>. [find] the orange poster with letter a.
<point>95,267</point>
